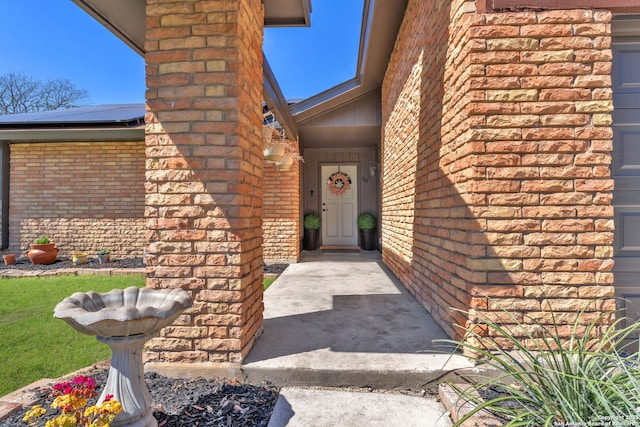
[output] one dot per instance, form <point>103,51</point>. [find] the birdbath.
<point>125,319</point>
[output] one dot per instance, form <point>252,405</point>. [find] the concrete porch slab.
<point>298,407</point>
<point>343,320</point>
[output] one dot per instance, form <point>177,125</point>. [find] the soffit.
<point>73,134</point>
<point>127,18</point>
<point>380,25</point>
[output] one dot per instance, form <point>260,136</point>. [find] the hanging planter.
<point>274,152</point>
<point>267,136</point>
<point>277,149</point>
<point>286,162</point>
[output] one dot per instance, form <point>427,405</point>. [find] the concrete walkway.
<point>342,320</point>
<point>346,342</point>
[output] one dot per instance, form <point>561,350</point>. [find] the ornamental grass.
<point>591,378</point>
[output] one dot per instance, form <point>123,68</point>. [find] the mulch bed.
<point>23,263</point>
<point>176,402</point>
<point>189,402</point>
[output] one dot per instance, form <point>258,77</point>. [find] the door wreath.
<point>338,183</point>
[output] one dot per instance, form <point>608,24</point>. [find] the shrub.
<point>366,222</point>
<point>312,222</point>
<point>586,379</point>
<point>41,241</point>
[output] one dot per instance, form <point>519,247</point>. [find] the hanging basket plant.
<point>338,183</point>
<point>277,149</point>
<point>274,151</point>
<point>286,162</point>
<point>267,136</point>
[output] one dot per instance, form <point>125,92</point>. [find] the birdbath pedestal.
<point>125,319</point>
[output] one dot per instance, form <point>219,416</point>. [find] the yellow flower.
<point>91,411</point>
<point>69,402</point>
<point>111,407</point>
<point>71,399</point>
<point>65,420</point>
<point>33,414</point>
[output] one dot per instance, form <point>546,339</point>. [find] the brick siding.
<point>204,173</point>
<point>83,196</point>
<point>497,145</point>
<point>281,226</point>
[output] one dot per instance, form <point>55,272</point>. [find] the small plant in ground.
<point>71,398</point>
<point>41,241</point>
<point>586,379</point>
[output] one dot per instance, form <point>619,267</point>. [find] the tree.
<point>20,93</point>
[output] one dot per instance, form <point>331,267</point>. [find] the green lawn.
<point>267,282</point>
<point>35,345</point>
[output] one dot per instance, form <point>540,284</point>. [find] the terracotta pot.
<point>43,253</point>
<point>9,259</point>
<point>103,258</point>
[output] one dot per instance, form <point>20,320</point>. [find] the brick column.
<point>204,173</point>
<point>541,94</point>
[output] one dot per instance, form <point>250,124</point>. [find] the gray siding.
<point>369,187</point>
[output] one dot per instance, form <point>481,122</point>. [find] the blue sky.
<point>50,39</point>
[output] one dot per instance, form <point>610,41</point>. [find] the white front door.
<point>339,205</point>
<point>626,172</point>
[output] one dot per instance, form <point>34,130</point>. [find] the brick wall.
<point>502,121</point>
<point>204,173</point>
<point>281,226</point>
<point>83,196</point>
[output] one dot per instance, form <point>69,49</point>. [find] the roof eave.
<point>120,23</point>
<point>91,134</point>
<point>375,48</point>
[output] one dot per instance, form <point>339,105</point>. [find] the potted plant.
<point>43,251</point>
<point>9,259</point>
<point>311,231</point>
<point>79,258</point>
<point>103,256</point>
<point>274,151</point>
<point>367,227</point>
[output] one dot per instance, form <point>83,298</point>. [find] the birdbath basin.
<point>125,319</point>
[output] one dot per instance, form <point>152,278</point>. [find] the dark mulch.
<point>190,402</point>
<point>23,263</point>
<point>275,268</point>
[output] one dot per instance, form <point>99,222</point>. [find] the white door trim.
<point>339,211</point>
